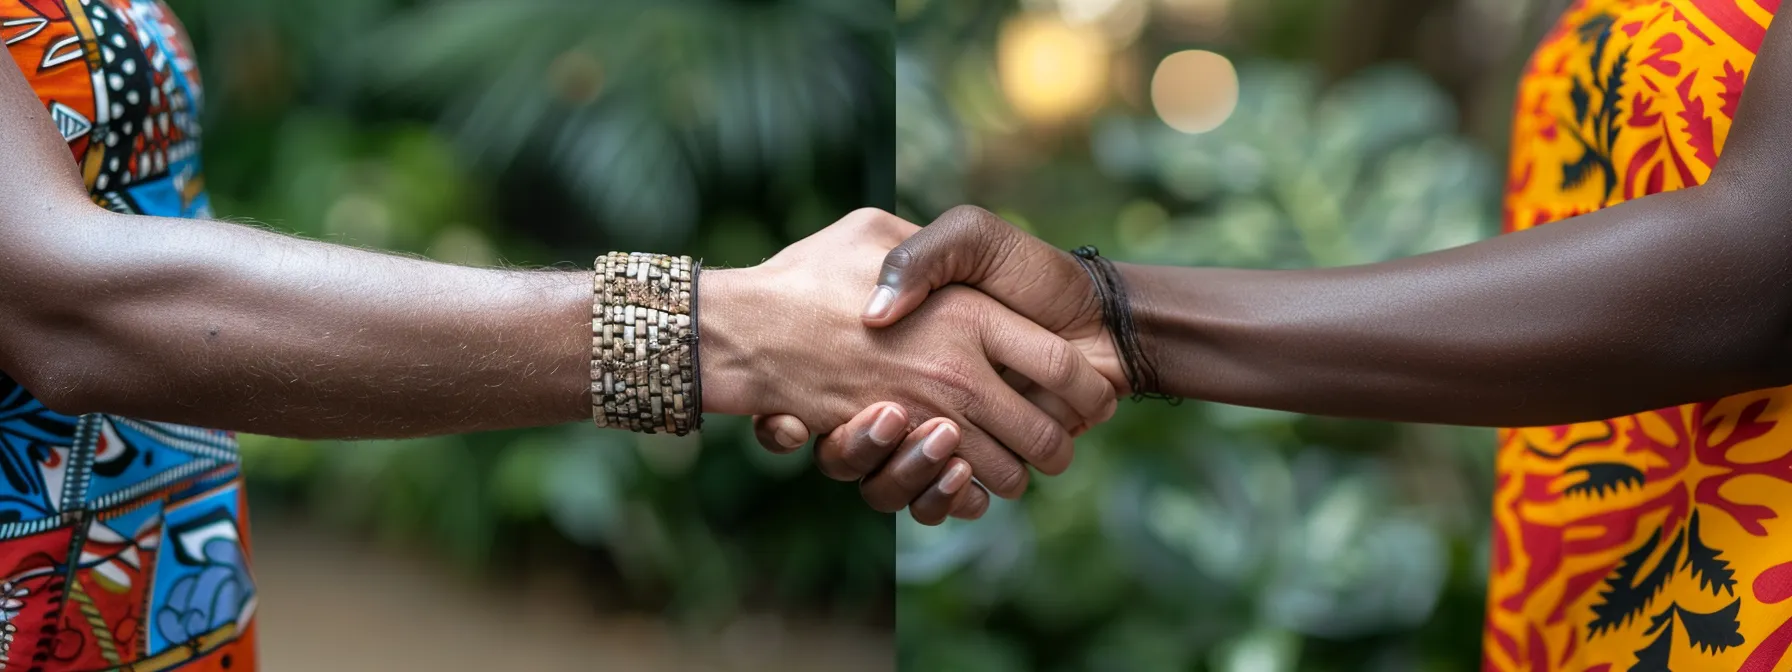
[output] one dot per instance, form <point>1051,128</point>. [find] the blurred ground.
<point>414,614</point>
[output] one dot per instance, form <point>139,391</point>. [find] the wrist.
<point>1160,324</point>
<point>728,347</point>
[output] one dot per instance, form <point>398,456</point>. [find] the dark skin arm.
<point>1660,301</point>
<point>222,325</point>
<point>1656,302</point>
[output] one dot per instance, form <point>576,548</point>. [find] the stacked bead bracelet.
<point>644,344</point>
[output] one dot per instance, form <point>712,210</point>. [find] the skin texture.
<point>223,325</point>
<point>838,367</point>
<point>1655,302</point>
<point>228,326</point>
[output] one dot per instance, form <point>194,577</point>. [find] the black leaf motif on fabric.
<point>1625,596</point>
<point>1654,657</point>
<point>1612,105</point>
<point>1714,573</point>
<point>1611,111</point>
<point>1601,113</point>
<point>1665,618</point>
<point>1603,478</point>
<point>1599,26</point>
<point>1576,174</point>
<point>1583,101</point>
<point>1597,30</point>
<point>1713,632</point>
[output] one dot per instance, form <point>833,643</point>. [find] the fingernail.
<point>956,476</point>
<point>887,427</point>
<point>789,439</point>
<point>881,301</point>
<point>935,446</point>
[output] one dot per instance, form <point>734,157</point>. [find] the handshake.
<point>980,351</point>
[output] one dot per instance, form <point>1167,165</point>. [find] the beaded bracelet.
<point>644,344</point>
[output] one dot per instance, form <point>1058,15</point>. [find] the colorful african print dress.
<point>1661,540</point>
<point>122,542</point>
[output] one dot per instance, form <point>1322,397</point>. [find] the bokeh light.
<point>1121,20</point>
<point>1194,91</point>
<point>1052,71</point>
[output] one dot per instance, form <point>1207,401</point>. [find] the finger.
<point>1050,362</point>
<point>1027,431</point>
<point>857,448</point>
<point>940,499</point>
<point>995,466</point>
<point>1059,410</point>
<point>972,246</point>
<point>781,434</point>
<point>1052,404</point>
<point>913,468</point>
<point>972,504</point>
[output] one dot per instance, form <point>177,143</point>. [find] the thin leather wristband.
<point>1116,313</point>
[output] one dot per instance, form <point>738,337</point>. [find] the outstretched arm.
<point>222,325</point>
<point>1663,300</point>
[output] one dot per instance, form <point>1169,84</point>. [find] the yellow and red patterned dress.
<point>1662,540</point>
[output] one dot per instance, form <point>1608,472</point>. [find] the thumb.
<point>780,434</point>
<point>959,247</point>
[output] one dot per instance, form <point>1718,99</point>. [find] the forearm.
<point>1664,300</point>
<point>223,325</point>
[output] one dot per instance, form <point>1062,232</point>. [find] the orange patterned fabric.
<point>1662,540</point>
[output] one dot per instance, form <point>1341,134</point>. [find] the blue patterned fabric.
<point>122,542</point>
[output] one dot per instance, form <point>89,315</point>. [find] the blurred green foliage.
<point>1202,536</point>
<point>538,132</point>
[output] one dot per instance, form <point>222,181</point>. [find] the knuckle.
<point>969,217</point>
<point>899,258</point>
<point>861,455</point>
<point>1009,481</point>
<point>1045,444</point>
<point>913,475</point>
<point>973,504</point>
<point>831,463</point>
<point>880,224</point>
<point>867,217</point>
<point>951,386</point>
<point>1060,365</point>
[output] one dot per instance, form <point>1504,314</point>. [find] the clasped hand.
<point>980,352</point>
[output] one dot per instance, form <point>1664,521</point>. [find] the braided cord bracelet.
<point>1116,316</point>
<point>644,344</point>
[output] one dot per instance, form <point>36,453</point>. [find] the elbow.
<point>62,386</point>
<point>61,379</point>
<point>53,321</point>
